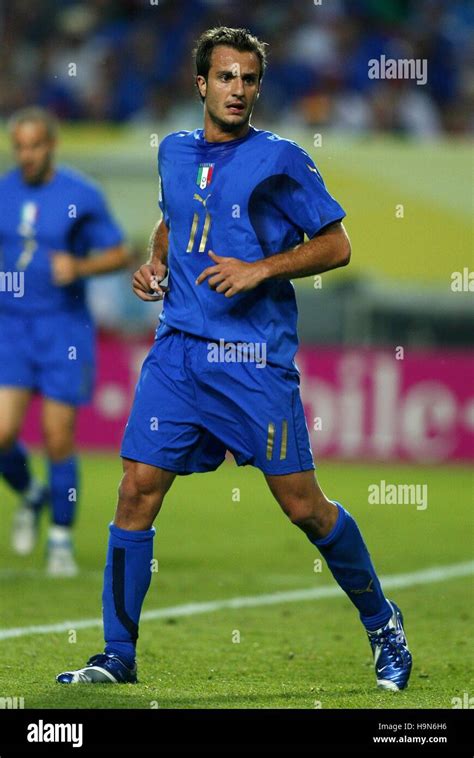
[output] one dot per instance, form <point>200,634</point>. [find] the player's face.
<point>232,87</point>
<point>33,149</point>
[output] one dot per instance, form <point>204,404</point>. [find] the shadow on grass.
<point>103,697</point>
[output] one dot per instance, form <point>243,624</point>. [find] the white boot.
<point>25,522</point>
<point>61,560</point>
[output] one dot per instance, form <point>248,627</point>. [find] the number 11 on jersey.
<point>204,235</point>
<point>27,254</point>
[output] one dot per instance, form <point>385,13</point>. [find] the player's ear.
<point>201,85</point>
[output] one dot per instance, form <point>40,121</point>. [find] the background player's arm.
<point>146,280</point>
<point>329,249</point>
<point>67,267</point>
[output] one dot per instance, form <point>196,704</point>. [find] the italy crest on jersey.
<point>29,215</point>
<point>204,176</point>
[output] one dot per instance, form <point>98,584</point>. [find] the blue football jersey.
<point>247,198</point>
<point>68,214</point>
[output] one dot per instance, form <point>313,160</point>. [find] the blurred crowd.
<point>131,60</point>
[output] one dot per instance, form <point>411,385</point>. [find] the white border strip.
<point>394,581</point>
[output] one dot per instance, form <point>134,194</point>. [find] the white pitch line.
<point>394,581</point>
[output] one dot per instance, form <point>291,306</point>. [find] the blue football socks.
<point>349,561</point>
<point>126,580</point>
<point>128,574</point>
<point>14,466</point>
<point>63,482</point>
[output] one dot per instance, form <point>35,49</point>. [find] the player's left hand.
<point>231,275</point>
<point>65,268</point>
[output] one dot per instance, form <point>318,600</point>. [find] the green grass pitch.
<point>305,654</point>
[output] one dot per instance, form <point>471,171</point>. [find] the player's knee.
<point>59,443</point>
<point>297,508</point>
<point>314,519</point>
<point>138,488</point>
<point>302,518</point>
<point>58,447</point>
<point>139,501</point>
<point>303,510</point>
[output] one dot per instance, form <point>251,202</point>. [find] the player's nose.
<point>237,85</point>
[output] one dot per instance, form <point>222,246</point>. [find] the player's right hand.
<point>146,282</point>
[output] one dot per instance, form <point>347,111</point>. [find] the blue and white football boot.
<point>103,668</point>
<point>60,552</point>
<point>392,659</point>
<point>26,520</point>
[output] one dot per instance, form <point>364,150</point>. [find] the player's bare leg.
<point>15,468</point>
<point>303,501</point>
<point>141,494</point>
<point>14,404</point>
<point>334,532</point>
<point>58,425</point>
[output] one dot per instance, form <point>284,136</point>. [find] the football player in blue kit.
<point>237,203</point>
<point>51,218</point>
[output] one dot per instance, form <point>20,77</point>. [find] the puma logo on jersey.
<point>201,199</point>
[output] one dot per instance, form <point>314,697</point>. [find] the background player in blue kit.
<point>236,205</point>
<point>51,218</point>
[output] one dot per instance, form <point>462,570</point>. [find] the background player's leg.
<point>15,467</point>
<point>58,421</point>
<point>14,463</point>
<point>128,569</point>
<point>335,533</point>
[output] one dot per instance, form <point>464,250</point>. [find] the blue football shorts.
<point>188,411</point>
<point>52,354</point>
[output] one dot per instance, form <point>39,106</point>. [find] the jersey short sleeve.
<point>304,198</point>
<point>99,229</point>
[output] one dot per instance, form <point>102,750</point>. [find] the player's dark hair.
<point>241,39</point>
<point>34,114</point>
